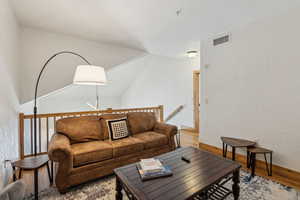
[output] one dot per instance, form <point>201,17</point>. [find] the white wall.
<point>164,81</point>
<point>252,85</point>
<point>55,105</point>
<point>9,104</point>
<point>37,46</point>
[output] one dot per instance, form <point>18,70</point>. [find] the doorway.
<point>189,136</point>
<point>196,100</point>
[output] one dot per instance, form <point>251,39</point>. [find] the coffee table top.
<point>236,142</point>
<point>188,179</point>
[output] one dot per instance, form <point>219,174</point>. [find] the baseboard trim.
<point>280,174</point>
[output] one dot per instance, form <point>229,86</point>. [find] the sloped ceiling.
<point>37,46</point>
<point>119,79</point>
<point>150,25</point>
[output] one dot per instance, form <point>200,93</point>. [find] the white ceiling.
<point>150,25</point>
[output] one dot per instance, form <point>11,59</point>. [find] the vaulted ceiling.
<point>150,25</point>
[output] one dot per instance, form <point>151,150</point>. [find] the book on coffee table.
<point>146,175</point>
<point>151,165</point>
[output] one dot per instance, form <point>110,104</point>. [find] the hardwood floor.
<point>187,139</point>
<point>27,177</point>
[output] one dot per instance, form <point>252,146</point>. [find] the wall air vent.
<point>221,40</point>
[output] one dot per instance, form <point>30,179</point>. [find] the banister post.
<point>161,113</point>
<point>21,135</point>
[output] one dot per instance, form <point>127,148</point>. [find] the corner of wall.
<point>10,92</point>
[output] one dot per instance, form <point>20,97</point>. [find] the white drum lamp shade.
<point>89,75</point>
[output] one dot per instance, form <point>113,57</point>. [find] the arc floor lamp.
<point>84,75</point>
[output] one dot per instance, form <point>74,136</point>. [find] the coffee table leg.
<point>271,164</point>
<point>235,186</point>
<point>50,176</point>
<point>14,173</point>
<point>253,164</point>
<point>225,151</point>
<point>248,157</point>
<point>52,172</point>
<point>119,195</point>
<point>233,153</point>
<point>36,184</point>
<point>20,173</point>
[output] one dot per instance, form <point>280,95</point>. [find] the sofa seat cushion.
<point>152,139</point>
<point>90,152</point>
<point>126,146</point>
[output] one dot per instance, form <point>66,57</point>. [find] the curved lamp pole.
<point>36,90</point>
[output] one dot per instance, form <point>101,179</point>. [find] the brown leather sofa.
<point>84,152</point>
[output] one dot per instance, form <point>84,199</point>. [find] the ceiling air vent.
<point>221,40</point>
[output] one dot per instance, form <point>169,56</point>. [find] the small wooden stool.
<point>251,158</point>
<point>33,163</point>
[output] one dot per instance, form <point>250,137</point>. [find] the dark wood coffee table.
<point>203,178</point>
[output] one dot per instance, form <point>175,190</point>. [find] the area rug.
<point>104,189</point>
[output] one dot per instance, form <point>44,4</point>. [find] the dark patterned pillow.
<point>117,128</point>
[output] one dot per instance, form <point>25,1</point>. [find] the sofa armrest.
<point>60,151</point>
<point>167,129</point>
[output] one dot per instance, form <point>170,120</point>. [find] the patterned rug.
<point>104,189</point>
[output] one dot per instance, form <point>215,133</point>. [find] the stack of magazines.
<point>152,168</point>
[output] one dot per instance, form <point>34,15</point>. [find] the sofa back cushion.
<point>80,129</point>
<point>140,122</point>
<point>103,121</point>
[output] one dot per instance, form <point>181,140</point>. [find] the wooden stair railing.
<point>46,126</point>
<point>174,113</point>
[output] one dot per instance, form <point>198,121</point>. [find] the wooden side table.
<point>33,163</point>
<point>235,143</point>
<point>251,159</point>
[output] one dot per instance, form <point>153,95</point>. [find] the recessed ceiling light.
<point>192,54</point>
